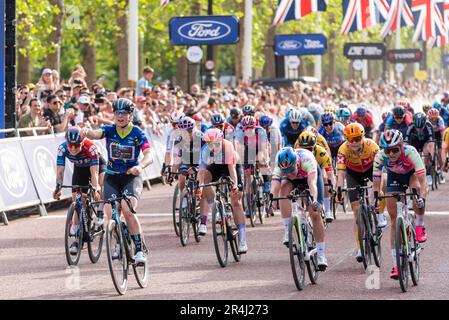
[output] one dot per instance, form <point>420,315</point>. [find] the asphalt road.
<point>33,264</point>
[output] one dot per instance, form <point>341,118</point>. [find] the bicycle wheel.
<point>219,234</point>
<point>118,265</point>
<point>196,222</point>
<point>234,242</point>
<point>252,201</point>
<point>334,206</point>
<point>376,237</point>
<point>296,252</point>
<point>401,244</point>
<point>175,210</point>
<point>312,264</point>
<point>185,205</point>
<point>72,259</point>
<point>141,270</point>
<point>261,206</point>
<point>363,235</point>
<point>95,244</point>
<point>414,264</point>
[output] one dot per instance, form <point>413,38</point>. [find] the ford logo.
<point>290,45</point>
<point>204,30</point>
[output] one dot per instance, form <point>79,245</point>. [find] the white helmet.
<point>176,116</point>
<point>312,107</point>
<point>295,116</point>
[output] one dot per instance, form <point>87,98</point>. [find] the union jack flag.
<point>296,9</point>
<point>428,19</point>
<point>165,2</point>
<point>399,9</point>
<point>363,14</point>
<point>442,39</point>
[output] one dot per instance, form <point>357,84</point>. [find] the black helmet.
<point>419,120</point>
<point>123,104</point>
<point>399,111</point>
<point>235,112</point>
<point>217,119</point>
<point>73,135</point>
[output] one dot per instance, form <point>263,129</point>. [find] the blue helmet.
<point>437,105</point>
<point>287,160</point>
<point>217,119</point>
<point>419,120</point>
<point>73,135</point>
<point>361,110</point>
<point>327,117</point>
<point>265,121</point>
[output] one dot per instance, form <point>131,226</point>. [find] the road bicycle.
<point>256,200</point>
<point>189,210</point>
<point>368,231</point>
<point>407,247</point>
<point>120,248</point>
<point>85,230</point>
<point>301,242</point>
<point>224,231</point>
<point>176,196</point>
<point>333,198</point>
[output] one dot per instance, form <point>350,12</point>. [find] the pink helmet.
<point>248,122</point>
<point>212,135</point>
<point>176,116</point>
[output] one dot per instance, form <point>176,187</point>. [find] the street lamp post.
<point>210,73</point>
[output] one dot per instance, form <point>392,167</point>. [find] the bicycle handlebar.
<point>112,201</point>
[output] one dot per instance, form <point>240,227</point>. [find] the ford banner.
<point>204,30</point>
<point>300,44</point>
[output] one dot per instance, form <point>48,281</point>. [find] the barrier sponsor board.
<point>2,66</point>
<point>16,185</point>
<point>364,51</point>
<point>204,30</point>
<point>300,44</point>
<point>404,55</point>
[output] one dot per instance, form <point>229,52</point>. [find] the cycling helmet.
<point>248,110</point>
<point>427,107</point>
<point>235,112</point>
<point>123,104</point>
<point>287,160</point>
<point>212,135</point>
<point>295,116</point>
<point>385,116</point>
<point>307,139</point>
<point>265,121</point>
<point>345,113</point>
<point>312,107</point>
<point>403,103</point>
<point>217,119</point>
<point>433,113</point>
<point>176,116</point>
<point>73,135</point>
<point>197,117</point>
<point>361,110</point>
<point>419,120</point>
<point>186,123</point>
<point>311,129</point>
<point>327,117</point>
<point>330,108</point>
<point>391,138</point>
<point>354,130</point>
<point>248,122</point>
<point>399,111</point>
<point>437,105</point>
<point>343,104</point>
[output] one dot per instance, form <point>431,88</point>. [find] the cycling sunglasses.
<point>329,124</point>
<point>358,139</point>
<point>73,145</point>
<point>392,150</point>
<point>120,112</point>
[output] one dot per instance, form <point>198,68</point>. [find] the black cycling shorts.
<point>103,164</point>
<point>81,177</point>
<point>116,185</point>
<point>221,170</point>
<point>396,182</point>
<point>354,178</point>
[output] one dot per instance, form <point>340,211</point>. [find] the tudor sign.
<point>404,55</point>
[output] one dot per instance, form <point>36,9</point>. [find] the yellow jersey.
<point>359,162</point>
<point>320,141</point>
<point>323,158</point>
<point>446,139</point>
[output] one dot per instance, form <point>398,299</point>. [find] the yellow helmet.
<point>354,130</point>
<point>307,139</point>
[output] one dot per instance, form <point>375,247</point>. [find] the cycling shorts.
<point>396,182</point>
<point>116,185</point>
<point>354,179</point>
<point>303,183</point>
<point>219,170</point>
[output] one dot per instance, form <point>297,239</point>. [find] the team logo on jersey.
<point>340,160</point>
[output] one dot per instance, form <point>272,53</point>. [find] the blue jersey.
<point>290,135</point>
<point>87,157</point>
<point>444,113</point>
<point>123,150</point>
<point>334,139</point>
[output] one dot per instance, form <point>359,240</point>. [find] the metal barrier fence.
<point>28,168</point>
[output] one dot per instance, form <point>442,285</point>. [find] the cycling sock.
<point>242,232</point>
<point>419,220</point>
<point>211,203</point>
<point>393,256</point>
<point>286,224</point>
<point>327,204</point>
<point>137,242</point>
<point>320,246</point>
<point>203,219</point>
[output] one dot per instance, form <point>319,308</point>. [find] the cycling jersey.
<point>444,113</point>
<point>187,150</point>
<point>334,139</point>
<point>410,160</point>
<point>87,157</point>
<point>419,138</point>
<point>366,121</point>
<point>252,143</point>
<point>307,117</point>
<point>274,135</point>
<point>446,138</point>
<point>359,162</point>
<point>306,165</point>
<point>123,150</point>
<point>289,134</point>
<point>224,157</point>
<point>173,135</point>
<point>438,126</point>
<point>322,158</point>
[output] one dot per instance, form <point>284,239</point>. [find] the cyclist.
<point>219,158</point>
<point>124,143</point>
<point>355,164</point>
<point>444,113</point>
<point>315,110</point>
<point>398,120</point>
<point>307,140</point>
<point>420,135</point>
<point>291,127</point>
<point>320,140</point>
<point>298,168</point>
<point>235,116</point>
<point>404,167</point>
<point>445,150</point>
<point>426,107</point>
<point>333,132</point>
<point>344,116</point>
<point>445,99</point>
<point>438,129</point>
<point>218,121</point>
<point>381,127</point>
<point>88,167</point>
<point>364,117</point>
<point>200,124</point>
<point>172,137</point>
